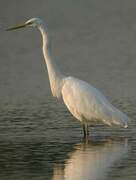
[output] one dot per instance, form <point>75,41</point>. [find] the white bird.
<point>84,101</point>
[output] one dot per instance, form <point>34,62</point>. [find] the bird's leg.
<point>85,130</point>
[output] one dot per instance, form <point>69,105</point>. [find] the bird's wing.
<point>86,102</point>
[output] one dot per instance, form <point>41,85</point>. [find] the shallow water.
<point>39,139</point>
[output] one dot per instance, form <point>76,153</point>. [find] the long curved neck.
<point>55,76</point>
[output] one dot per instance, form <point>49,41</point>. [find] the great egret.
<point>85,102</point>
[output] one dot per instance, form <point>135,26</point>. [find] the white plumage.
<point>89,105</point>
<point>85,102</point>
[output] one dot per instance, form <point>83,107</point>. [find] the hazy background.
<point>92,39</point>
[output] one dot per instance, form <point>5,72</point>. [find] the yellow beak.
<point>16,27</point>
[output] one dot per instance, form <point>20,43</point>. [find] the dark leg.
<point>85,130</point>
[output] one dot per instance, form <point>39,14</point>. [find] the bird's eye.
<point>29,23</point>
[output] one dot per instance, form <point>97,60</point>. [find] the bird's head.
<point>34,22</point>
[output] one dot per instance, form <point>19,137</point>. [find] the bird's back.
<point>86,103</point>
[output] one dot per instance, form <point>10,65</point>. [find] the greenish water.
<point>39,139</point>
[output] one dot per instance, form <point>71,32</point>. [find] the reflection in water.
<point>90,161</point>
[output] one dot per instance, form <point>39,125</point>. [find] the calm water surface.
<point>39,139</point>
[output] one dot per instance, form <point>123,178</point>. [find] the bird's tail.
<point>121,119</point>
<point>116,118</point>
